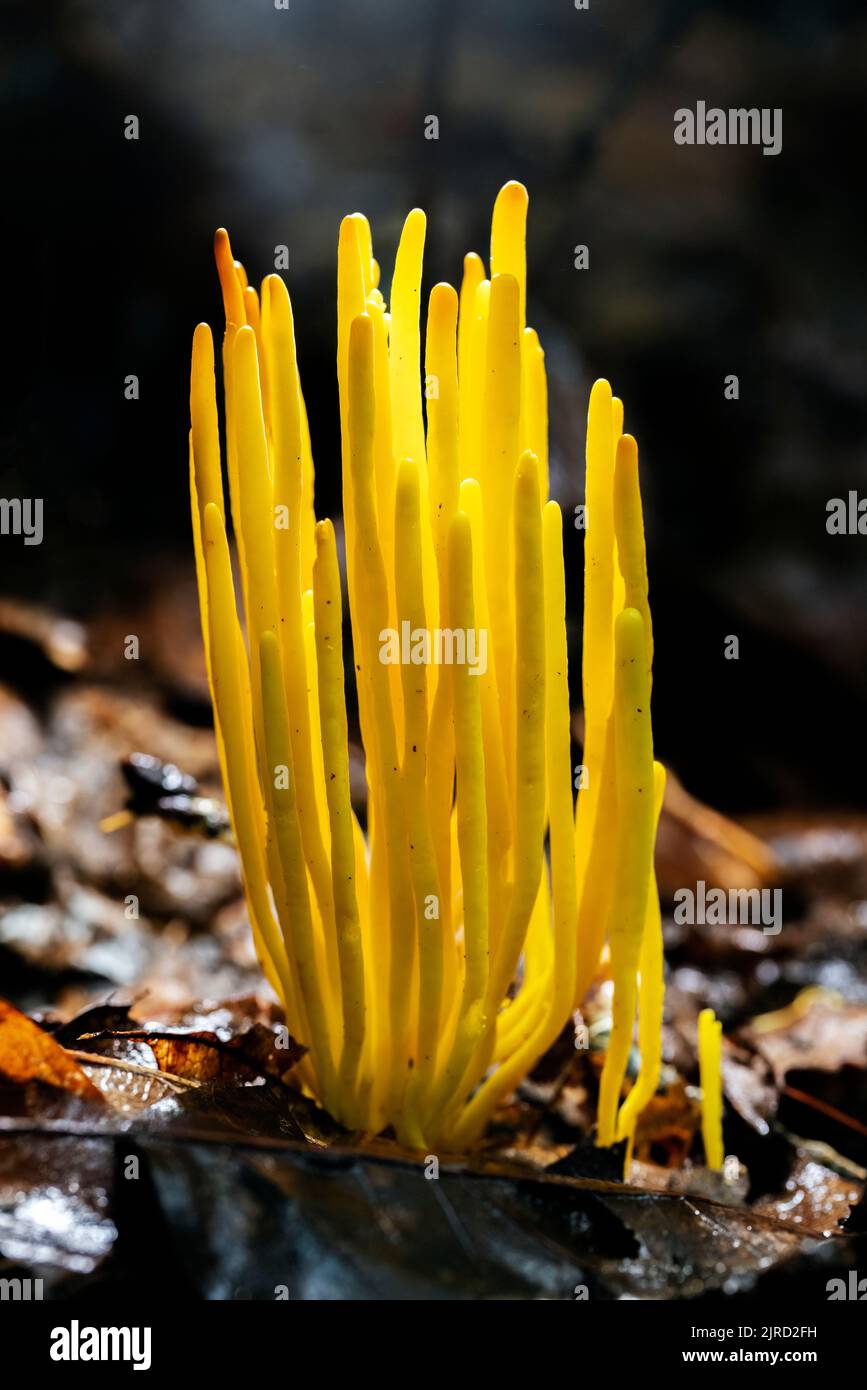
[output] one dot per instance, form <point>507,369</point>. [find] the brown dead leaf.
<point>29,1054</point>
<point>747,1087</point>
<point>816,1199</point>
<point>826,1035</point>
<point>667,1126</point>
<point>203,1056</point>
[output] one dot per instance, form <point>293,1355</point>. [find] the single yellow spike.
<point>471,825</point>
<point>472,366</point>
<point>651,993</point>
<point>534,404</point>
<point>597,662</point>
<point>405,341</point>
<point>373,619</point>
<point>350,303</point>
<point>385,475</point>
<point>442,451</point>
<point>474,274</point>
<point>254,485</point>
<point>233,295</point>
<point>636,829</point>
<point>335,748</point>
<point>426,884</point>
<point>365,245</point>
<point>408,438</point>
<point>629,527</point>
<point>442,415</point>
<point>596,807</point>
<point>596,878</point>
<point>287,834</point>
<point>709,1056</point>
<point>500,430</point>
<point>228,356</point>
<point>233,713</point>
<point>500,810</point>
<point>545,1015</point>
<point>509,238</point>
<point>203,416</point>
<point>283,545</point>
<point>254,319</point>
<point>529,667</point>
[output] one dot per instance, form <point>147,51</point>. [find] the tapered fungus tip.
<point>323,532</point>
<point>504,286</point>
<point>443,308</point>
<point>443,294</point>
<point>203,340</point>
<point>627,451</point>
<point>629,634</point>
<point>213,522</point>
<point>361,333</point>
<point>278,296</point>
<point>528,465</point>
<point>600,389</point>
<point>515,193</point>
<point>245,340</point>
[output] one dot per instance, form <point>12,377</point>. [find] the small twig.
<point>830,1110</point>
<point>94,1059</point>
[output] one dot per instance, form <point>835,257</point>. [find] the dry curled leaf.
<point>29,1054</point>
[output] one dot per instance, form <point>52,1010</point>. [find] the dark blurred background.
<point>703,262</point>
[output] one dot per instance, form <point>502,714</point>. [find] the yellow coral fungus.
<point>428,962</point>
<point>709,1058</point>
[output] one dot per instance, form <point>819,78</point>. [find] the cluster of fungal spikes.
<point>428,961</point>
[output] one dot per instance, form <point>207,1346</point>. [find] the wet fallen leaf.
<point>816,1199</point>
<point>825,1035</point>
<point>55,1198</point>
<point>28,1053</point>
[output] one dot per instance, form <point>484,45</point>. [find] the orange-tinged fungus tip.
<point>627,449</point>
<point>223,250</point>
<point>514,192</point>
